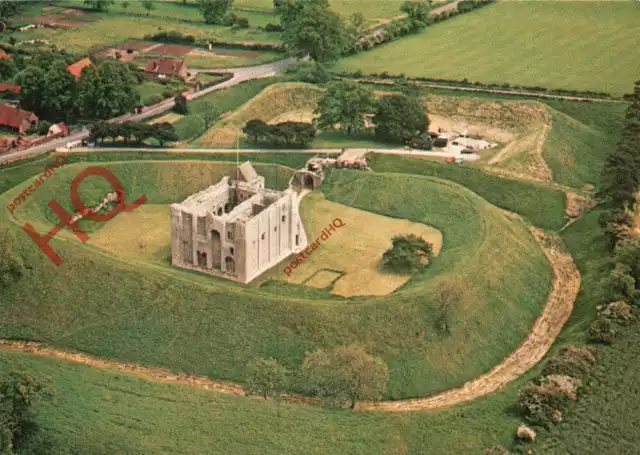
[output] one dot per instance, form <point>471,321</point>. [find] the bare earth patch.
<point>356,248</point>
<point>168,118</point>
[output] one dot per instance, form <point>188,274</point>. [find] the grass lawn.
<point>363,274</point>
<point>540,205</point>
<point>217,326</point>
<point>566,45</point>
<point>152,92</point>
<point>237,59</point>
<point>580,139</point>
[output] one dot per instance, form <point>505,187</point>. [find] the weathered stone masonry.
<point>236,229</point>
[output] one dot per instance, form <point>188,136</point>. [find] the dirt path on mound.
<point>566,285</point>
<point>547,327</point>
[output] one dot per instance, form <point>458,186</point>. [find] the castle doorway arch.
<point>216,247</point>
<point>230,265</point>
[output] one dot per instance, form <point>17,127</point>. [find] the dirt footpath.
<point>566,285</point>
<point>556,312</point>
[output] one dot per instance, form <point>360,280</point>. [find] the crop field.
<point>210,339</point>
<point>566,45</point>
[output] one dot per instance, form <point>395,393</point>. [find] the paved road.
<point>391,151</point>
<point>239,75</point>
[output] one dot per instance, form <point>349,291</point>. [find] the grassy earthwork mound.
<point>117,297</point>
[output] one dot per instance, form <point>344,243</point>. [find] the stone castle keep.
<point>236,229</point>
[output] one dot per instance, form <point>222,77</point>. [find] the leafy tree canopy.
<point>214,11</point>
<point>400,118</point>
<point>99,5</point>
<point>348,373</point>
<point>267,377</point>
<point>345,104</point>
<point>409,253</point>
<point>310,29</point>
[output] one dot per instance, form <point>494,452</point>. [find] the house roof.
<point>162,66</point>
<point>77,67</point>
<point>12,117</point>
<point>10,88</point>
<point>246,173</point>
<point>4,55</point>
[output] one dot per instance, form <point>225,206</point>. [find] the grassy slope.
<point>218,326</point>
<point>540,205</point>
<point>574,45</point>
<point>101,412</point>
<point>581,137</point>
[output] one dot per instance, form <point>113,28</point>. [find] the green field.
<point>565,45</point>
<point>223,325</point>
<point>102,412</point>
<point>118,26</point>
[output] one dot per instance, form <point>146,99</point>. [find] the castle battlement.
<point>236,229</point>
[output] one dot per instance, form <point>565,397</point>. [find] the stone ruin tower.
<point>236,229</point>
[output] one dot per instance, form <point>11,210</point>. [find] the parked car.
<point>467,152</point>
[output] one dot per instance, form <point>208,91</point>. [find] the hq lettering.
<point>308,251</point>
<point>67,222</point>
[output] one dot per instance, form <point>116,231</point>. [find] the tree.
<point>214,11</point>
<point>357,20</point>
<point>148,5</point>
<point>267,377</point>
<point>7,69</point>
<point>312,72</point>
<point>408,254</point>
<point>164,132</point>
<point>125,5</point>
<point>99,5</point>
<point>345,103</point>
<point>181,105</point>
<point>399,118</point>
<point>347,373</point>
<point>9,8</point>
<point>50,93</point>
<point>107,90</point>
<point>310,29</point>
<point>208,112</point>
<point>19,395</point>
<point>418,12</point>
<point>256,130</point>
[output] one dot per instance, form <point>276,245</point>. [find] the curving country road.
<point>239,75</point>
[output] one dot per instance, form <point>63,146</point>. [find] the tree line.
<point>348,106</point>
<point>285,134</point>
<point>50,91</point>
<point>132,133</point>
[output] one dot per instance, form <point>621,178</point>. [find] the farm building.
<point>163,68</point>
<point>77,67</point>
<point>9,88</point>
<point>440,142</point>
<point>18,119</point>
<point>236,229</point>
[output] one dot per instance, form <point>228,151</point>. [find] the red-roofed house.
<point>10,88</point>
<point>4,55</point>
<point>166,68</point>
<point>17,118</point>
<point>77,67</point>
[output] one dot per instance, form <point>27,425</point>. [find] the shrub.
<point>570,361</point>
<point>273,27</point>
<point>407,254</point>
<point>312,72</point>
<point>241,22</point>
<point>619,310</point>
<point>602,331</point>
<point>190,126</point>
<point>171,36</point>
<point>542,404</point>
<point>181,105</point>
<point>43,127</point>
